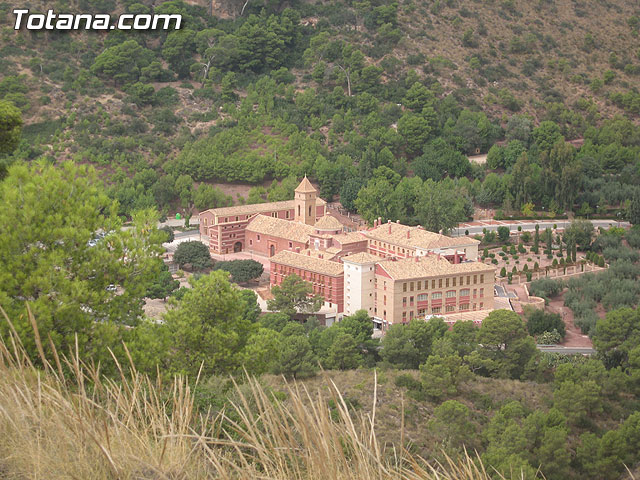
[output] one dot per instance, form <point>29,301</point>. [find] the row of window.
<point>463,307</point>
<point>450,281</point>
<point>390,247</point>
<point>438,295</point>
<point>313,277</point>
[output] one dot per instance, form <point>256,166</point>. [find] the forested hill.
<point>261,91</point>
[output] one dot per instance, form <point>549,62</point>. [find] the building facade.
<point>325,276</point>
<point>430,285</point>
<point>226,227</point>
<point>395,272</point>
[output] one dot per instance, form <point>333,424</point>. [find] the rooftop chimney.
<point>379,220</point>
<point>389,223</point>
<point>408,233</point>
<point>308,253</point>
<point>417,258</point>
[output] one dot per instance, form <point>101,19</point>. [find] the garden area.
<point>590,296</point>
<point>527,256</point>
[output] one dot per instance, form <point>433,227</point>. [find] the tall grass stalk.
<point>82,425</point>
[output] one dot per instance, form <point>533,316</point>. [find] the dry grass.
<point>81,425</point>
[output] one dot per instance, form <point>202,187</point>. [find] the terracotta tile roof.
<point>431,266</point>
<point>278,227</point>
<point>306,261</point>
<point>347,238</point>
<point>418,237</point>
<point>257,208</point>
<point>328,223</point>
<point>327,254</point>
<point>305,186</point>
<point>362,257</point>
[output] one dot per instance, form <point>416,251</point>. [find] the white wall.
<point>359,287</point>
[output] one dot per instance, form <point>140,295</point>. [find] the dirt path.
<point>574,336</point>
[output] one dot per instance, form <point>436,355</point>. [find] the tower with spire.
<point>305,202</point>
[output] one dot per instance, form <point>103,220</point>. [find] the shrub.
<point>545,287</point>
<point>195,254</point>
<point>241,271</point>
<point>407,381</point>
<point>539,321</point>
<point>549,338</point>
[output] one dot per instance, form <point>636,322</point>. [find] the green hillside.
<point>337,90</point>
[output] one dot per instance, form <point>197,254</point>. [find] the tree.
<point>418,97</point>
<point>10,127</point>
<point>634,207</point>
<point>503,234</point>
<point>578,400</point>
<point>440,160</point>
<point>163,285</point>
<point>195,254</point>
<point>442,206</point>
<point>208,196</point>
<point>415,130</point>
<point>539,321</point>
<point>452,420</point>
<point>260,354</point>
<point>242,271</point>
<point>122,63</point>
<point>207,328</point>
<point>349,192</point>
<point>408,346</point>
<point>546,135</point>
<point>472,131</point>
<point>337,53</point>
<point>343,354</point>
<point>293,296</point>
<point>462,337</point>
<point>378,199</point>
<point>359,325</point>
<point>168,231</point>
<point>580,232</point>
<point>440,375</point>
<point>178,49</point>
<point>61,246</point>
<point>504,348</point>
<point>296,358</point>
<point>616,335</point>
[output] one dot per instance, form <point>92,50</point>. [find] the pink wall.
<point>263,246</point>
<point>336,295</point>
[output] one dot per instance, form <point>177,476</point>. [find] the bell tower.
<point>305,202</point>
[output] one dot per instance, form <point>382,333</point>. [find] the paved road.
<point>191,233</point>
<point>567,350</point>
<point>526,225</point>
<point>172,222</point>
